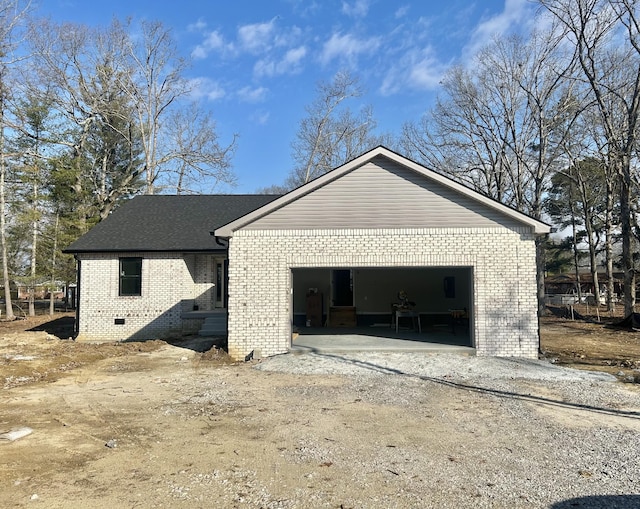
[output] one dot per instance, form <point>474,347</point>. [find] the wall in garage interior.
<point>376,289</point>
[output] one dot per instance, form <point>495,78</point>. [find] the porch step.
<point>214,325</point>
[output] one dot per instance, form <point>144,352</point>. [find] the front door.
<point>219,293</point>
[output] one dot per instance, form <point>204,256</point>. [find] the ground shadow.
<point>194,343</point>
<point>565,312</point>
<point>60,327</point>
<point>63,328</point>
<point>600,502</point>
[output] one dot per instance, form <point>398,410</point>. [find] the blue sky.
<point>256,63</point>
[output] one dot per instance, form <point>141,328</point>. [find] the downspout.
<point>220,243</point>
<point>76,328</point>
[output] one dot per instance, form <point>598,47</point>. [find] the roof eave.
<point>147,250</point>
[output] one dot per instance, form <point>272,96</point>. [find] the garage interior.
<point>382,308</point>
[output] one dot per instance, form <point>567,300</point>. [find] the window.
<point>130,276</point>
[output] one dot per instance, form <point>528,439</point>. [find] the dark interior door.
<point>342,284</point>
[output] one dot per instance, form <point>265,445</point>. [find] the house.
<point>339,249</point>
<point>152,269</point>
<point>566,286</point>
<point>40,291</point>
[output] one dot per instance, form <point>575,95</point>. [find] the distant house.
<point>353,239</point>
<point>40,291</point>
<point>563,288</point>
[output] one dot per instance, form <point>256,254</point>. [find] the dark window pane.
<point>130,276</point>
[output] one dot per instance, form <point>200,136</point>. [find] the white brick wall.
<point>503,261</point>
<point>168,289</point>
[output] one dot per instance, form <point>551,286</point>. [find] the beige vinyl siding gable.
<point>383,194</point>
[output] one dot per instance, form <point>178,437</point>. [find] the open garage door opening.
<point>383,306</point>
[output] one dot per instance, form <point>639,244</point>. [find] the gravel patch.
<point>539,435</point>
<point>455,367</point>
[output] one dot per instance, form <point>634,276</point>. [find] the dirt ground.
<point>593,343</point>
<point>136,425</point>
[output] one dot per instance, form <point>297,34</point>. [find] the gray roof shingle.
<point>167,223</point>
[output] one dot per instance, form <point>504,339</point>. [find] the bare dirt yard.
<point>161,425</point>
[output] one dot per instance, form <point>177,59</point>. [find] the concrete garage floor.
<point>381,339</point>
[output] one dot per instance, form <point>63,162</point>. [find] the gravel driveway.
<point>171,428</point>
<point>562,437</point>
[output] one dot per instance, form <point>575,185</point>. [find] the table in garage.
<point>408,313</point>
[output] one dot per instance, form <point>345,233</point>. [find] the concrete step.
<point>214,325</point>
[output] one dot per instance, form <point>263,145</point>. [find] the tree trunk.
<point>3,222</point>
<point>540,266</point>
<point>34,247</point>
<point>52,303</point>
<point>576,253</point>
<point>625,230</point>
<point>593,261</point>
<point>609,247</point>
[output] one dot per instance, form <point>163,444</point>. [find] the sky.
<point>256,63</point>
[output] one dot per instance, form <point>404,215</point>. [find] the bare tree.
<point>126,90</point>
<point>154,82</point>
<point>462,136</point>
<point>331,134</point>
<point>157,86</point>
<point>589,143</point>
<point>498,126</point>
<point>606,34</point>
<point>501,124</point>
<point>200,158</point>
<point>82,68</point>
<point>12,13</point>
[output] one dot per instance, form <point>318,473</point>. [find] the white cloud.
<point>516,14</point>
<point>214,41</point>
<point>357,9</point>
<point>252,95</point>
<point>418,69</point>
<point>288,36</point>
<point>205,88</point>
<point>256,37</point>
<point>305,8</point>
<point>198,26</point>
<point>291,63</point>
<point>426,73</point>
<point>260,117</point>
<point>294,56</point>
<point>347,47</point>
<point>401,12</point>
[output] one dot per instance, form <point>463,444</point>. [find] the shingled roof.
<point>167,223</point>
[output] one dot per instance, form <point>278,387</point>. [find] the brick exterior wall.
<point>171,284</point>
<point>504,315</point>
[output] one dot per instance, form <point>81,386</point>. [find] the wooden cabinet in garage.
<point>314,309</point>
<point>342,316</point>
